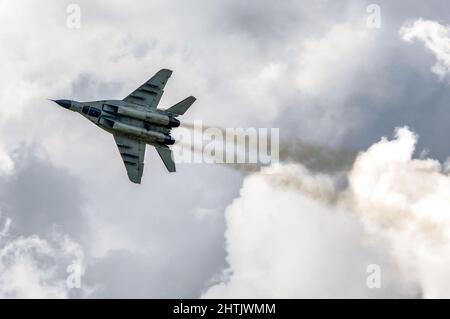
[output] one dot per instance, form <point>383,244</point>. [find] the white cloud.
<point>327,65</point>
<point>31,267</point>
<point>435,37</point>
<point>290,228</point>
<point>6,162</point>
<point>286,240</point>
<point>405,200</point>
<point>5,228</point>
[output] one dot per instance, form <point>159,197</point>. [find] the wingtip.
<point>166,71</point>
<point>171,169</point>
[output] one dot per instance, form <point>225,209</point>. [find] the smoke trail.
<point>315,157</point>
<point>191,126</point>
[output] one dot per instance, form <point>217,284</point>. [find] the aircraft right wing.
<point>149,93</point>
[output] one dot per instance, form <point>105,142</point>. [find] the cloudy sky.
<point>369,81</point>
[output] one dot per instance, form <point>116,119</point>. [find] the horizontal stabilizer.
<point>166,155</point>
<point>181,107</point>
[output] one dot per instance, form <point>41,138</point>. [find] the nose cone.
<point>64,103</point>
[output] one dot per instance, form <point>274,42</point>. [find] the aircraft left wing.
<point>149,93</point>
<point>133,153</point>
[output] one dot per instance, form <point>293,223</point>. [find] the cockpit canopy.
<point>91,111</point>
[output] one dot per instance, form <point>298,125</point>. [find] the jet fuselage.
<point>116,116</point>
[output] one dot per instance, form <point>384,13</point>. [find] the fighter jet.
<point>135,121</point>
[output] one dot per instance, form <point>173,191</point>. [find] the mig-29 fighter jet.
<point>135,121</point>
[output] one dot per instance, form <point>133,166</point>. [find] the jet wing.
<point>149,93</point>
<point>133,153</point>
